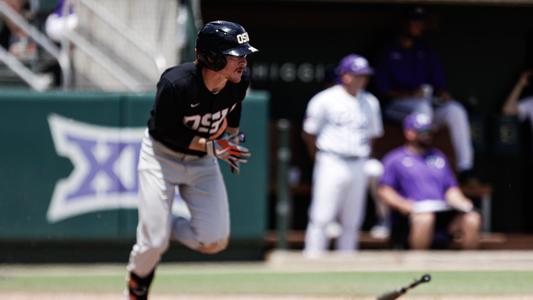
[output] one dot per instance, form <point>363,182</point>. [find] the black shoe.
<point>138,287</point>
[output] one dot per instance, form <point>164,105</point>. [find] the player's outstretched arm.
<point>226,148</point>
<point>229,150</point>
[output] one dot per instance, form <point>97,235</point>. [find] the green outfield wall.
<point>68,169</point>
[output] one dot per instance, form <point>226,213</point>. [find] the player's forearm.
<point>510,106</point>
<point>199,143</point>
<point>391,198</point>
<point>232,130</point>
<point>310,142</point>
<point>457,200</point>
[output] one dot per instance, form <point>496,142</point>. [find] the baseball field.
<point>287,275</point>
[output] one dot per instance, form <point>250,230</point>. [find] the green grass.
<point>257,279</point>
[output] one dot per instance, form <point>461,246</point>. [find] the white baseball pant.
<point>339,194</point>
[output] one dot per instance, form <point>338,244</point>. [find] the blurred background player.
<point>338,128</point>
<point>195,104</point>
<point>410,76</point>
<point>418,184</point>
<point>14,38</point>
<point>60,21</point>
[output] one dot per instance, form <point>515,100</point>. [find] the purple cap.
<point>354,64</point>
<point>418,122</point>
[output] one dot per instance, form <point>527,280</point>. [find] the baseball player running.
<point>339,124</point>
<point>194,121</point>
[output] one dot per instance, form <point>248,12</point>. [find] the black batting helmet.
<point>218,39</point>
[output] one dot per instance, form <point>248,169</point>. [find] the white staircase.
<point>124,44</point>
<point>118,45</point>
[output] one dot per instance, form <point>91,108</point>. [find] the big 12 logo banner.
<point>104,174</point>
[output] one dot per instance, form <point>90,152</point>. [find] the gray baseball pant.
<point>202,188</point>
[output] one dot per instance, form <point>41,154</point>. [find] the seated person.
<point>419,184</point>
<point>518,104</point>
<point>13,38</point>
<point>410,76</point>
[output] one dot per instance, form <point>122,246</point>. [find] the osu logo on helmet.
<point>220,38</point>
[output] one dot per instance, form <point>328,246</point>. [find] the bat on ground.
<point>398,292</point>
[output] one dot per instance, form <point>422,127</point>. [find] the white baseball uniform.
<point>525,109</point>
<point>344,126</point>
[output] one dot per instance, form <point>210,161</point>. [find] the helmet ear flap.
<point>212,60</point>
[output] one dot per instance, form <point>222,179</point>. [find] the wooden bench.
<point>393,137</point>
<point>488,241</point>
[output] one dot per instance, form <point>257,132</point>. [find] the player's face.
<point>234,68</point>
<point>424,138</point>
<point>416,28</point>
<point>360,81</point>
<point>355,83</point>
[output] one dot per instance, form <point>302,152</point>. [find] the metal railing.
<point>35,81</point>
<point>30,77</point>
<point>61,54</point>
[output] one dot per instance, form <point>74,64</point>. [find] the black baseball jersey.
<point>185,108</point>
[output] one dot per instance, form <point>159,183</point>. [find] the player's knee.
<point>472,221</point>
<point>214,247</point>
<point>424,220</point>
<point>150,254</point>
<point>319,221</point>
<point>159,247</point>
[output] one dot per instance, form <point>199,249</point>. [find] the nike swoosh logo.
<point>193,105</point>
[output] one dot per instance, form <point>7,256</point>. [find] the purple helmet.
<point>418,122</point>
<point>354,64</point>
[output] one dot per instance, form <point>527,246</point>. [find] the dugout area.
<point>483,45</point>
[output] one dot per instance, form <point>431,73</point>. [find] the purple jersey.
<point>418,177</point>
<point>405,69</point>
